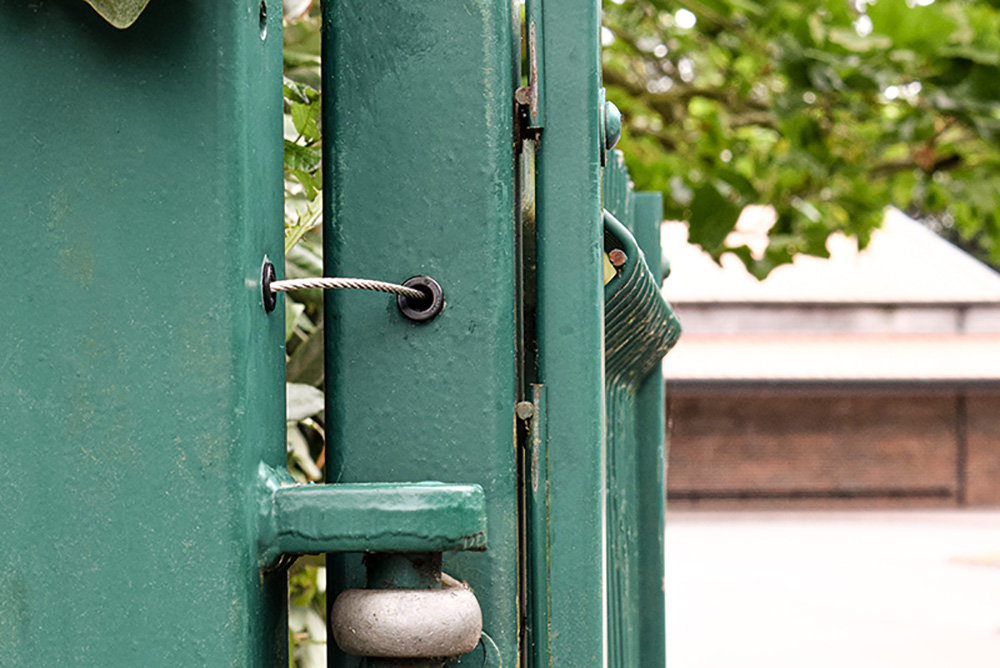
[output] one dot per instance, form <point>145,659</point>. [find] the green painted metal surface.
<point>141,388</point>
<point>419,176</point>
<point>538,538</point>
<point>534,35</point>
<point>651,460</point>
<point>640,328</point>
<point>570,330</point>
<point>141,383</point>
<point>373,517</point>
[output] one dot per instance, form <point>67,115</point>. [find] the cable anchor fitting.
<point>419,298</point>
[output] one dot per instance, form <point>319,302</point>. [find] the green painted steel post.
<point>141,382</point>
<point>639,329</point>
<point>570,332</point>
<point>651,462</point>
<point>144,379</point>
<point>419,179</point>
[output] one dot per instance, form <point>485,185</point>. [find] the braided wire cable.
<point>346,284</point>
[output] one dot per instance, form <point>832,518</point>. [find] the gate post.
<point>419,180</point>
<point>141,382</point>
<point>570,332</point>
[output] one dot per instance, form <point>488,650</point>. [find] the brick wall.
<point>841,450</point>
<point>983,458</point>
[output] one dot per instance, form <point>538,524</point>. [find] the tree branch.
<point>893,167</point>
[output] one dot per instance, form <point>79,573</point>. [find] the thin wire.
<point>345,284</point>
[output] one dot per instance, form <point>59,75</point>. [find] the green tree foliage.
<point>829,110</point>
<point>305,436</point>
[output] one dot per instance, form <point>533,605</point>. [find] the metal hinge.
<point>532,97</point>
<point>533,414</point>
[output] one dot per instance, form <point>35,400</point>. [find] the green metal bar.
<point>141,382</point>
<point>392,517</point>
<point>570,322</point>
<point>651,461</point>
<point>409,570</point>
<point>618,196</point>
<point>534,34</point>
<point>539,539</point>
<point>639,329</point>
<point>419,164</point>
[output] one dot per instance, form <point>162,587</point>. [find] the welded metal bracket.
<point>296,518</point>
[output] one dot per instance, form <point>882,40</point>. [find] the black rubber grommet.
<point>422,310</point>
<point>270,298</point>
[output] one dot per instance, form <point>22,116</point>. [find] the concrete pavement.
<point>833,590</point>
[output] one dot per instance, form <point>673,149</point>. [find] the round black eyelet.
<point>267,277</point>
<point>422,310</point>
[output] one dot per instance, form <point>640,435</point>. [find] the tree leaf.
<point>293,311</point>
<point>306,118</point>
<point>296,91</point>
<point>119,13</point>
<point>306,363</point>
<point>852,41</point>
<point>922,28</point>
<point>302,158</point>
<point>713,216</point>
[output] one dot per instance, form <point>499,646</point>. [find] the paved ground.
<point>825,590</point>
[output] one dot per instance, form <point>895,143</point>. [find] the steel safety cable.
<point>288,285</point>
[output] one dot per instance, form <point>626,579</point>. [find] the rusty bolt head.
<point>617,258</point>
<point>525,410</point>
<point>523,95</point>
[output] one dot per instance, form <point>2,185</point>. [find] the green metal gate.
<point>141,201</point>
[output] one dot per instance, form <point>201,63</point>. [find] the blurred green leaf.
<point>293,311</point>
<point>917,27</point>
<point>308,220</point>
<point>305,437</point>
<point>302,158</point>
<point>713,216</point>
<point>305,365</point>
<point>306,118</point>
<point>119,13</point>
<point>816,107</point>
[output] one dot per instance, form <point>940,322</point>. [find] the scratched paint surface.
<point>140,381</point>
